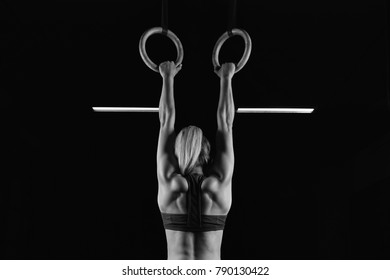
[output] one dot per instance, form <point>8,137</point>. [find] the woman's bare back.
<point>195,245</point>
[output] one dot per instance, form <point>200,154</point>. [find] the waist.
<point>194,245</point>
<point>180,222</point>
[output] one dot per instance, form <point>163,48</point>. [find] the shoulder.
<point>220,192</point>
<point>214,184</point>
<point>177,183</point>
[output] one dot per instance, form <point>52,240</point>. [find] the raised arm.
<point>166,161</point>
<point>224,160</point>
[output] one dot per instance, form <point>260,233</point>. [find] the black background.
<point>82,185</point>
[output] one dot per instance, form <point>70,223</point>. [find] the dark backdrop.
<point>82,185</point>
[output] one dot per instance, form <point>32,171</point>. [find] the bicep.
<point>166,161</point>
<point>223,165</point>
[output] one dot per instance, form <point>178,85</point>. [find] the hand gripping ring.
<point>223,38</point>
<point>159,30</point>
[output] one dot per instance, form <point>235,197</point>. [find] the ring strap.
<point>164,16</point>
<point>232,16</point>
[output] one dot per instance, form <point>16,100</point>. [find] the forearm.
<point>226,109</point>
<point>167,102</point>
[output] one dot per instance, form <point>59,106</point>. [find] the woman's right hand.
<point>227,70</point>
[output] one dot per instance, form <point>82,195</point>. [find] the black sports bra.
<point>193,221</point>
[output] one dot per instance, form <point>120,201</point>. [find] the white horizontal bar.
<point>275,110</point>
<point>126,109</point>
<point>239,110</point>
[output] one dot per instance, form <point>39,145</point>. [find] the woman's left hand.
<point>168,69</point>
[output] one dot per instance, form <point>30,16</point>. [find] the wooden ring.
<point>223,38</point>
<point>170,35</point>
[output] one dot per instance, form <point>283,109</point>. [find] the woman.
<point>194,206</point>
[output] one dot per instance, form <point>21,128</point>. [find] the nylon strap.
<point>232,11</point>
<point>164,16</point>
<point>387,39</point>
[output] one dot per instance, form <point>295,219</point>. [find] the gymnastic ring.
<point>223,38</point>
<point>171,35</point>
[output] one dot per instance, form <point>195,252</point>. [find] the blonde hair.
<point>191,149</point>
